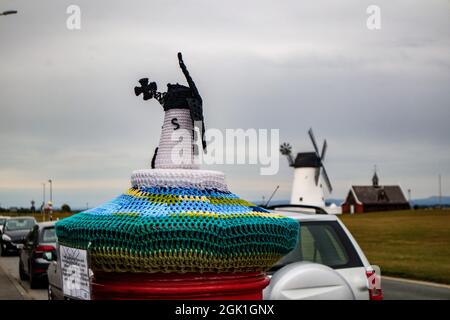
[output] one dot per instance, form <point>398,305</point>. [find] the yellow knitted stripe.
<point>249,214</point>
<point>201,214</point>
<point>123,260</point>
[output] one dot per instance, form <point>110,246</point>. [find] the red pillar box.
<point>210,286</point>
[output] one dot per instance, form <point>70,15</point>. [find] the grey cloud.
<point>68,110</point>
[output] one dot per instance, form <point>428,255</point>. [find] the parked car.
<point>55,289</point>
<point>39,249</point>
<point>14,231</point>
<point>327,263</point>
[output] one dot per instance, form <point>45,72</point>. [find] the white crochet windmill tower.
<point>307,188</point>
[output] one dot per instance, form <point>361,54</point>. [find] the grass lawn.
<point>411,244</point>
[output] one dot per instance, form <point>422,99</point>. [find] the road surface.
<point>18,290</point>
<point>11,287</point>
<point>400,289</point>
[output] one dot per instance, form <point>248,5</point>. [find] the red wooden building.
<point>374,198</point>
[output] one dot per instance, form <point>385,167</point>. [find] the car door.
<point>24,252</point>
<point>29,244</point>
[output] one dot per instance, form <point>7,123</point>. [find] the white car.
<point>326,264</point>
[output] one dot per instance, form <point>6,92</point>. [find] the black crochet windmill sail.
<point>176,218</point>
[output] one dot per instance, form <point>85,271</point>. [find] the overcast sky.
<point>68,111</point>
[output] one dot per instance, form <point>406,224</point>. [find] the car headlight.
<point>6,238</point>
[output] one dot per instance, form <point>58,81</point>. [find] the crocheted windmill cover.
<point>176,218</point>
<point>192,225</point>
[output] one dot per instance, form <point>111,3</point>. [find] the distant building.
<point>374,198</point>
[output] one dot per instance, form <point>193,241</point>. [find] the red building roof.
<point>379,195</point>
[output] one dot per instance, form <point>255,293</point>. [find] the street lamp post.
<point>51,191</point>
<point>50,203</point>
<point>43,196</point>
<point>43,201</point>
<point>409,198</point>
<point>8,12</point>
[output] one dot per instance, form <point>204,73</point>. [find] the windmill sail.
<point>324,150</point>
<point>321,157</point>
<point>313,140</point>
<point>327,180</point>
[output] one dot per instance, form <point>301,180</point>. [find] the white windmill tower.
<point>307,188</point>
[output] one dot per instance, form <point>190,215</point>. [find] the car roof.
<point>22,217</point>
<point>305,216</point>
<point>46,224</point>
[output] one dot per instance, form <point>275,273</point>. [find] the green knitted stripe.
<point>122,260</point>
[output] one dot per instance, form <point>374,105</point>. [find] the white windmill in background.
<point>307,188</point>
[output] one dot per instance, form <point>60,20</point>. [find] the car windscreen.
<point>2,221</point>
<point>19,224</point>
<point>323,242</point>
<point>48,234</point>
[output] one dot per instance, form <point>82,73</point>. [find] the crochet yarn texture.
<point>178,220</point>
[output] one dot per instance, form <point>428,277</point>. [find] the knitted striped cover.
<point>177,220</point>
